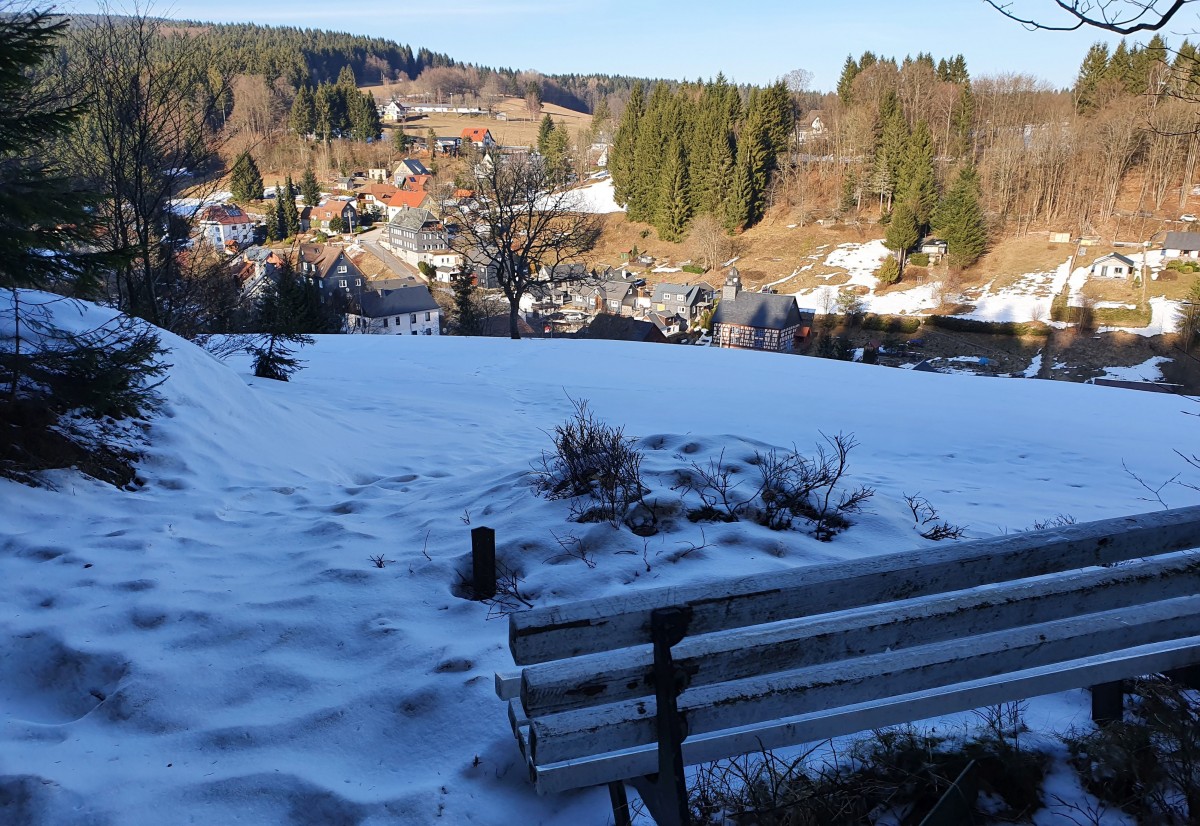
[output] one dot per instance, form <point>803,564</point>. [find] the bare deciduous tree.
<point>517,222</point>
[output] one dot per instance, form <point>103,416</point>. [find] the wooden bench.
<point>631,688</point>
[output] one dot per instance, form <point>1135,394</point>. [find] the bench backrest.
<point>838,648</point>
<point>586,627</point>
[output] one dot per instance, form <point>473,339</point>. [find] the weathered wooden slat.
<point>508,684</point>
<point>613,676</point>
<point>609,623</point>
<point>604,767</point>
<point>749,702</point>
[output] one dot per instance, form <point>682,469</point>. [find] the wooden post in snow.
<point>483,562</point>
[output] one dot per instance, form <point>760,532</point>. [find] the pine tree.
<point>469,317</point>
<point>545,130</point>
<point>902,233</point>
<point>959,221</point>
<point>279,215</point>
<point>963,121</point>
<point>309,188</point>
<point>890,148</point>
<point>779,119</point>
<point>957,70</point>
<point>245,181</point>
<point>621,159</point>
<point>1121,70</point>
<point>643,186</point>
<point>303,120</point>
<point>1092,73</point>
<point>280,326</point>
<point>291,216</point>
<point>675,208</point>
<point>845,84</point>
<point>272,221</point>
<point>920,186</point>
<point>747,201</point>
<point>601,118</point>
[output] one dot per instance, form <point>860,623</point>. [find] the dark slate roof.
<point>397,302</point>
<point>1187,241</point>
<point>413,219</point>
<point>414,166</point>
<point>692,292</point>
<point>765,311</point>
<point>621,328</point>
<point>1126,261</point>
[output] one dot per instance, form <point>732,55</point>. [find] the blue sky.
<point>751,42</point>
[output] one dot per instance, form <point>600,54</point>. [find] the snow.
<point>217,646</point>
<point>189,206</point>
<point>598,198</point>
<point>1148,370</point>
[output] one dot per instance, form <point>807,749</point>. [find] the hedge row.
<point>998,328</point>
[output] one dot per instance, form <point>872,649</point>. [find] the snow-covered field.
<point>1028,299</point>
<point>598,198</point>
<point>217,647</point>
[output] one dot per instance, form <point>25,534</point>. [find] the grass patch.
<point>1000,328</point>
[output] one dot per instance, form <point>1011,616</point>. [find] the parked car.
<point>1189,217</point>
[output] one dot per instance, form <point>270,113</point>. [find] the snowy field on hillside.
<point>1027,299</point>
<point>598,198</point>
<point>217,647</point>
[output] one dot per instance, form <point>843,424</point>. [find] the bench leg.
<point>1108,703</point>
<point>620,804</point>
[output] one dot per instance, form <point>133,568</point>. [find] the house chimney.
<point>733,285</point>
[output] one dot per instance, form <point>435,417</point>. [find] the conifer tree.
<point>779,119</point>
<point>675,207</point>
<point>469,316</point>
<point>902,233</point>
<point>1120,68</point>
<point>601,118</point>
<point>279,214</point>
<point>309,188</point>
<point>303,119</point>
<point>272,221</point>
<point>963,120</point>
<point>1092,73</point>
<point>621,159</point>
<point>747,200</point>
<point>845,84</point>
<point>291,216</point>
<point>281,318</point>
<point>643,187</point>
<point>959,221</point>
<point>245,181</point>
<point>920,186</point>
<point>890,149</point>
<point>957,70</point>
<point>545,130</point>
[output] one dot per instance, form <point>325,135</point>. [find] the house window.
<point>358,282</point>
<point>412,318</point>
<point>426,316</point>
<point>385,322</point>
<point>397,319</point>
<point>341,268</point>
<point>341,282</point>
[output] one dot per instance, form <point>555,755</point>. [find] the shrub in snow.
<point>592,459</point>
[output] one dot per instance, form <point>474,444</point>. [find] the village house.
<point>373,198</point>
<point>328,266</point>
<point>224,223</point>
<point>935,248</point>
<point>758,321</point>
<point>378,175</point>
<point>1113,265</point>
<point>406,167</point>
<point>403,199</point>
<point>393,112</point>
<point>321,216</point>
<point>480,137</point>
<point>257,267</point>
<point>1181,245</point>
<point>811,126</point>
<point>622,328</point>
<point>415,183</point>
<point>402,311</point>
<point>415,235</point>
<point>687,301</point>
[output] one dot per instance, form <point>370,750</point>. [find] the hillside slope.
<point>217,647</point>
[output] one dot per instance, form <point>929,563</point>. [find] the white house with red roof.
<point>223,223</point>
<point>480,136</point>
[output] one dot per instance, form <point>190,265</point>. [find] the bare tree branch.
<point>1119,16</point>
